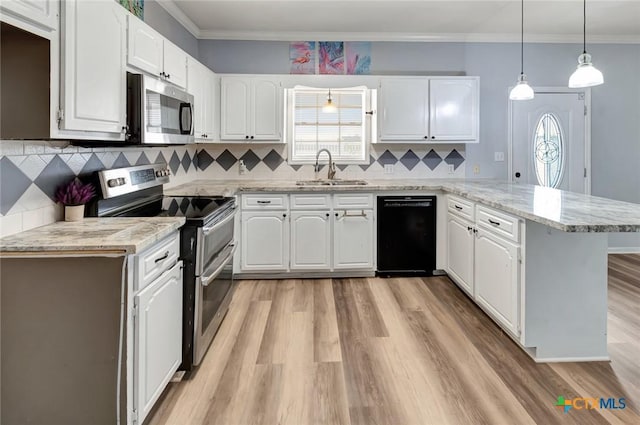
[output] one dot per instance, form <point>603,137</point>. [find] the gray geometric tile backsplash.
<point>48,171</point>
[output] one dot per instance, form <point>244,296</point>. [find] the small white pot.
<point>73,212</point>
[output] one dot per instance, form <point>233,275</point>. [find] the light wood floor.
<point>395,351</point>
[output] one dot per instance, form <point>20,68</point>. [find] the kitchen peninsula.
<point>551,248</point>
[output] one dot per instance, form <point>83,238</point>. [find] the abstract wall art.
<point>331,57</point>
<point>358,57</point>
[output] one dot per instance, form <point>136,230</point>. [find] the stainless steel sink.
<point>335,182</point>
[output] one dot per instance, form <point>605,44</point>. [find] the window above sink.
<point>346,129</point>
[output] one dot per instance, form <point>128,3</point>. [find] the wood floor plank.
<point>261,406</point>
<point>278,329</point>
<point>326,340</point>
<point>303,294</point>
<point>330,404</point>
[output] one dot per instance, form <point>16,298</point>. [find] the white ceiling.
<point>419,20</point>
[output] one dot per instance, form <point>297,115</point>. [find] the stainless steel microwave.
<point>158,113</point>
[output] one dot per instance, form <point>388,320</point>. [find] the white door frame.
<point>587,129</point>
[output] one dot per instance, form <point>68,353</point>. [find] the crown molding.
<point>417,37</point>
<point>177,13</point>
<point>174,10</point>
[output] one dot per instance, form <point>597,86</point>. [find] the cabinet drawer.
<point>306,202</point>
<point>156,260</point>
<point>264,202</point>
<point>354,200</point>
<point>500,223</point>
<point>461,207</point>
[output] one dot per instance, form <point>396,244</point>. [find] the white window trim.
<point>370,124</point>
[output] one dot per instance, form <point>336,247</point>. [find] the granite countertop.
<point>126,235</point>
<point>566,211</point>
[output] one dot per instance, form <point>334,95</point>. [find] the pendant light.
<point>522,90</point>
<point>329,106</point>
<point>586,75</point>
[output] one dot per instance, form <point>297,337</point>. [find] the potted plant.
<point>74,195</point>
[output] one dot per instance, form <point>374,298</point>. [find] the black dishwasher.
<point>406,235</point>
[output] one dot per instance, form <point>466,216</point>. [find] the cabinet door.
<point>353,239</point>
<point>310,240</point>
<point>195,86</point>
<point>174,64</point>
<point>497,278</point>
<point>453,109</point>
<point>265,110</point>
<point>41,12</point>
<point>265,241</point>
<point>144,47</point>
<point>94,64</point>
<point>460,243</point>
<point>403,114</point>
<point>209,96</point>
<point>234,103</point>
<point>158,338</point>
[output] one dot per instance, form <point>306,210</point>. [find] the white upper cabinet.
<point>250,109</point>
<point>175,64</point>
<point>145,47</point>
<point>201,84</point>
<point>93,67</point>
<point>43,13</point>
<point>403,112</point>
<point>152,53</point>
<point>453,109</point>
<point>428,109</point>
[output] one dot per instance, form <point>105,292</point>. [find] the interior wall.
<point>168,26</point>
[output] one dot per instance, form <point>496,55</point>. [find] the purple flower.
<point>75,193</point>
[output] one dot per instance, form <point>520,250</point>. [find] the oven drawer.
<point>264,202</point>
<point>156,260</point>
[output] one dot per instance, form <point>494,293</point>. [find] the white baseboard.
<point>572,359</point>
<point>624,250</point>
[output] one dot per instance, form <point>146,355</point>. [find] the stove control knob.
<point>112,182</point>
<point>121,181</point>
<point>167,172</point>
<point>158,173</point>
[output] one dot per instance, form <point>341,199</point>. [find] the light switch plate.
<point>388,168</point>
<point>498,156</point>
<point>451,168</point>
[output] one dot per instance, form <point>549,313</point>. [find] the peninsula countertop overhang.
<point>562,210</point>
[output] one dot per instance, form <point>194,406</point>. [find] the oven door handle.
<point>206,280</point>
<point>207,230</point>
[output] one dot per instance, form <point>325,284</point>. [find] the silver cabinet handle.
<point>360,214</point>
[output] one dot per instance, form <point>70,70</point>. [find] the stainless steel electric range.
<point>207,244</point>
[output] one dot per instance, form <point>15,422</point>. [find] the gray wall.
<point>166,25</point>
<point>616,104</point>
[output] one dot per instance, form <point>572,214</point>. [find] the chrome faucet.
<point>332,165</point>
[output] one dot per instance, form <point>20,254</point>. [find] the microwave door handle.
<point>206,280</point>
<point>182,118</point>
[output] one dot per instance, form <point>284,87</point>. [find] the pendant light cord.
<point>522,38</point>
<point>584,26</point>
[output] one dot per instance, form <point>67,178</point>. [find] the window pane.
<point>341,131</point>
<point>548,154</point>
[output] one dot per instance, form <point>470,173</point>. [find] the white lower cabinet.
<point>496,278</point>
<point>157,338</point>
<point>310,240</point>
<point>353,240</point>
<point>460,249</point>
<point>483,258</point>
<point>322,233</point>
<point>265,241</point>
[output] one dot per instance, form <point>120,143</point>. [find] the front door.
<point>549,145</point>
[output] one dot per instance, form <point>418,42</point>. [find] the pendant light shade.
<point>522,90</point>
<point>586,75</point>
<point>329,106</point>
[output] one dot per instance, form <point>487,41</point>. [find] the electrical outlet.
<point>451,168</point>
<point>498,156</point>
<point>241,167</point>
<point>476,169</point>
<point>388,168</point>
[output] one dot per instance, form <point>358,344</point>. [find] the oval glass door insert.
<point>548,151</point>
